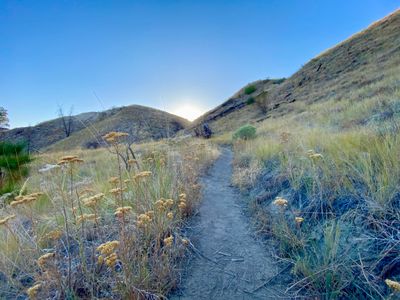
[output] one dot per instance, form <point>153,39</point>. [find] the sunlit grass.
<point>337,163</point>
<point>53,244</point>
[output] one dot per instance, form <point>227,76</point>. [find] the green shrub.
<point>13,160</point>
<point>250,101</point>
<point>250,89</point>
<point>246,132</point>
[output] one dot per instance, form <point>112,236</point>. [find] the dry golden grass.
<point>100,230</point>
<point>336,164</point>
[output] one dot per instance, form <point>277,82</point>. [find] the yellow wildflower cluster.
<point>111,259</point>
<point>182,202</point>
<point>69,159</point>
<point>170,215</point>
<point>185,242</point>
<point>143,174</point>
<point>54,234</point>
<point>5,220</point>
<point>86,217</point>
<point>164,204</point>
<point>394,285</point>
<point>113,180</point>
<point>121,211</point>
<point>313,155</point>
<point>168,241</point>
<point>86,191</point>
<point>33,291</point>
<point>107,251</point>
<point>299,220</point>
<point>26,199</point>
<point>132,161</point>
<point>113,136</point>
<point>279,201</point>
<point>145,219</point>
<point>93,200</point>
<point>117,191</point>
<point>45,259</point>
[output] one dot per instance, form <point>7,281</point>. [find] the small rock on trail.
<point>228,261</point>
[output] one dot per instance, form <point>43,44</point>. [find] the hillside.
<point>321,173</point>
<point>361,60</point>
<point>142,123</point>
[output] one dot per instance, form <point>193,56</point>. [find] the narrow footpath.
<point>228,262</point>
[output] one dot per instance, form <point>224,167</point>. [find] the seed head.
<point>316,156</point>
<point>168,241</point>
<point>33,291</point>
<point>69,159</point>
<point>86,217</point>
<point>108,247</point>
<point>279,201</point>
<point>44,259</point>
<point>26,199</point>
<point>113,136</point>
<point>182,205</point>
<point>5,220</point>
<point>113,180</point>
<point>108,254</point>
<point>144,219</point>
<point>160,204</point>
<point>132,161</point>
<point>117,191</point>
<point>54,234</point>
<point>394,285</point>
<point>121,211</point>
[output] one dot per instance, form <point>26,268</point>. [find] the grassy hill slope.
<point>142,123</point>
<point>361,60</point>
<point>322,173</point>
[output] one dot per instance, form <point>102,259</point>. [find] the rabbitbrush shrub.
<point>246,132</point>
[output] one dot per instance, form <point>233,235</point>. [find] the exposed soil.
<point>228,261</point>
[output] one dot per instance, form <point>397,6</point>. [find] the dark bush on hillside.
<point>250,89</point>
<point>13,161</point>
<point>250,101</point>
<point>246,132</point>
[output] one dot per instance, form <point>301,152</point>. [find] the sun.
<point>188,111</point>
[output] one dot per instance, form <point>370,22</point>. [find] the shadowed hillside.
<point>142,123</point>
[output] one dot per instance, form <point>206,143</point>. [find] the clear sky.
<point>181,56</point>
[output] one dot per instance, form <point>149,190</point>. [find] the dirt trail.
<point>228,262</point>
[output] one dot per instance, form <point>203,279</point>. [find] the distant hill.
<point>362,59</point>
<point>142,123</point>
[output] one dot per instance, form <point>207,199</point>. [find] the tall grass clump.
<point>87,226</point>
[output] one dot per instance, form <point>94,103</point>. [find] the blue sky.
<point>179,56</point>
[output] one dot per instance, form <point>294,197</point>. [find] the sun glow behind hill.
<point>189,111</point>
